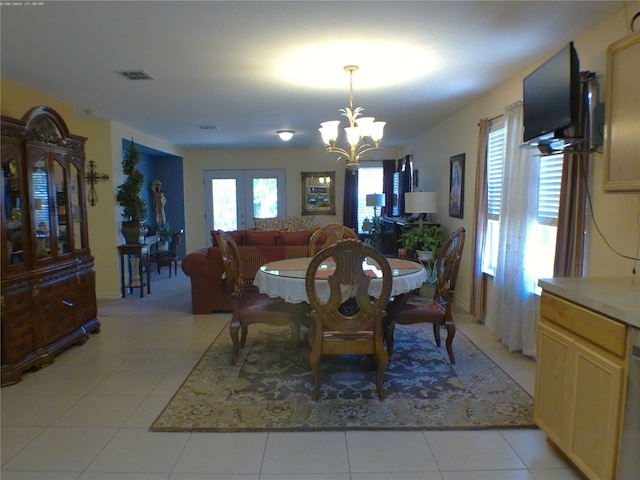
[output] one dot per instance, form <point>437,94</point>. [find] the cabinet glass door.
<point>12,218</point>
<point>41,208</point>
<point>77,206</point>
<point>61,208</point>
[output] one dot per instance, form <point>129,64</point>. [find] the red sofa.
<point>256,247</point>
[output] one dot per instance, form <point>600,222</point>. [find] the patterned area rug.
<point>270,389</point>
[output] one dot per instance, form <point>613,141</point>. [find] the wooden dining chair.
<point>328,235</point>
<point>353,325</point>
<point>411,309</point>
<point>249,307</point>
<point>170,257</point>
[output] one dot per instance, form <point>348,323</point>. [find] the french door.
<point>235,197</point>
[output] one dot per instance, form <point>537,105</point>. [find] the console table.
<point>142,252</point>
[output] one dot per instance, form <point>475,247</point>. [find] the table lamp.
<point>375,200</point>
<point>421,202</point>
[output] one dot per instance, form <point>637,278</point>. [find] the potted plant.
<point>129,197</point>
<point>376,233</point>
<point>164,235</point>
<point>425,240</point>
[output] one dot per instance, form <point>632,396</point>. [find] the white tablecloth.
<point>289,284</point>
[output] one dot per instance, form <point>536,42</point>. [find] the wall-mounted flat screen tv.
<point>552,95</point>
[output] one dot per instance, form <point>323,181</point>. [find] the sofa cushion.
<point>300,237</point>
<point>260,237</point>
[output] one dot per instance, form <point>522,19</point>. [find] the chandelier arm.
<point>339,150</point>
<point>362,149</point>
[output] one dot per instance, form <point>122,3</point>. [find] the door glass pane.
<point>41,204</point>
<point>265,197</point>
<point>225,212</point>
<point>61,209</point>
<point>76,207</point>
<point>12,203</point>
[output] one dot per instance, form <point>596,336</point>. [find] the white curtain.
<point>512,309</point>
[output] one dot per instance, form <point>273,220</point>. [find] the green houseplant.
<point>376,233</point>
<point>164,235</point>
<point>129,197</point>
<point>425,238</point>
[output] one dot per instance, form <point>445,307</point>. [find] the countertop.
<point>616,297</point>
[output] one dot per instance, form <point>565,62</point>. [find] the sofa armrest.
<point>196,264</point>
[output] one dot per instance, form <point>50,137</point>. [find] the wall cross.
<point>92,177</point>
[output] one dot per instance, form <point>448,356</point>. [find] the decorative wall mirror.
<point>318,193</point>
<point>622,137</point>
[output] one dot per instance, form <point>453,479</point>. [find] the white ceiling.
<point>252,68</point>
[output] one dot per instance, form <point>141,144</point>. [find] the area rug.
<point>269,389</point>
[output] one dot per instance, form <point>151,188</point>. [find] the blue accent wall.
<point>155,164</point>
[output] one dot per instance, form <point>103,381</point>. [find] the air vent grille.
<point>136,75</point>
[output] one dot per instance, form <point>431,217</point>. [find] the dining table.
<point>286,278</point>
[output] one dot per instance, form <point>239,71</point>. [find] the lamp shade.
<point>375,200</point>
<point>421,202</point>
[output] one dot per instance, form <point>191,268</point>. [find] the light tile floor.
<point>87,416</point>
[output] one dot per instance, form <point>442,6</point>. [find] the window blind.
<point>495,160</point>
<point>549,186</point>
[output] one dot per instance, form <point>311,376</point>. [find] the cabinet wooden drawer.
<point>594,327</point>
<point>17,347</point>
<point>18,326</point>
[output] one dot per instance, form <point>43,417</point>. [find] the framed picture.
<point>456,186</point>
<point>318,193</point>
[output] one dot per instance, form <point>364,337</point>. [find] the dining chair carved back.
<point>328,235</point>
<point>249,307</point>
<point>349,321</point>
<point>437,311</point>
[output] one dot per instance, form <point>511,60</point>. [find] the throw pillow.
<point>237,235</point>
<point>301,237</point>
<point>260,237</point>
<point>266,223</point>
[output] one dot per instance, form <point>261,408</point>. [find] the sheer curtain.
<point>512,308</point>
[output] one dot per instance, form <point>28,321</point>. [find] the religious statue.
<point>160,201</point>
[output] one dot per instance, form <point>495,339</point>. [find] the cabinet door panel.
<point>86,297</point>
<point>598,390</point>
<point>17,327</point>
<point>553,375</point>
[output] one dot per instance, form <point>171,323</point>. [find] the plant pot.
<point>163,246</point>
<point>133,232</point>
<point>424,254</point>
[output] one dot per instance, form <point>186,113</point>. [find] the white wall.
<point>292,160</point>
<point>616,213</point>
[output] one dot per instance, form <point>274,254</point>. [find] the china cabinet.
<point>48,279</point>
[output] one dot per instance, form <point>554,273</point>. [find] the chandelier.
<point>363,133</point>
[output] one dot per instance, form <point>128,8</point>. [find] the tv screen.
<point>552,95</point>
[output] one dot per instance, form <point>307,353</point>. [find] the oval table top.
<point>286,278</point>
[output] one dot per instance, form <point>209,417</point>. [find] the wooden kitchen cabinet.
<point>48,281</point>
<point>581,370</point>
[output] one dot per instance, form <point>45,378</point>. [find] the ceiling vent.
<point>136,75</point>
<point>208,127</point>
